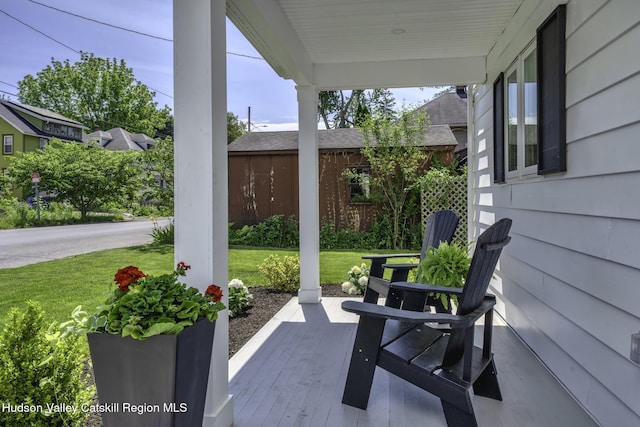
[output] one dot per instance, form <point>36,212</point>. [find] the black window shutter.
<point>498,130</point>
<point>552,129</point>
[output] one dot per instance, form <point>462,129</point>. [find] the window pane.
<point>512,124</point>
<point>7,144</point>
<point>530,111</point>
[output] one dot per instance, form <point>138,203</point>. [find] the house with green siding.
<point>25,128</point>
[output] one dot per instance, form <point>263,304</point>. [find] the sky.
<point>32,35</point>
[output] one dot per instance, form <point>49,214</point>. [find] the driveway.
<point>25,246</point>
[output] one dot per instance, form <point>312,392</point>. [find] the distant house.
<point>25,128</point>
<point>263,171</point>
<point>118,139</point>
<point>450,109</point>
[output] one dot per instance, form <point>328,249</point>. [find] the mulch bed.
<point>266,303</point>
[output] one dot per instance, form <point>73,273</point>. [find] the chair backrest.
<point>440,227</point>
<point>485,257</point>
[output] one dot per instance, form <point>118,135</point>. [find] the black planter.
<point>157,382</point>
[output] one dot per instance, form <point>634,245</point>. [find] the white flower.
<point>236,283</point>
<point>354,291</point>
<point>356,269</point>
<point>363,281</point>
<point>346,286</point>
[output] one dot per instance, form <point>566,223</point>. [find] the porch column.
<point>201,200</point>
<point>310,291</point>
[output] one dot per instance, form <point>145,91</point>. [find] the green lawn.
<point>61,285</point>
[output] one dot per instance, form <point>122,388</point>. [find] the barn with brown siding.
<point>263,175</point>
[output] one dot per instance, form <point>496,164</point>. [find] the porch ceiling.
<point>374,43</point>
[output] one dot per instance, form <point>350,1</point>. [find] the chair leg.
<point>370,296</point>
<point>457,417</point>
<point>487,383</point>
<point>363,362</point>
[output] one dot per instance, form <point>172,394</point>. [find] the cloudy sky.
<point>33,32</point>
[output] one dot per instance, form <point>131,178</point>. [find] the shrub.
<point>446,266</point>
<point>282,275</point>
<point>40,368</point>
<point>239,297</point>
<point>357,281</point>
<point>163,234</point>
<point>274,232</point>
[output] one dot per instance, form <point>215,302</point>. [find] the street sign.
<point>35,177</point>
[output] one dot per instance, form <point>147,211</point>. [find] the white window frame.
<point>6,138</point>
<point>521,170</point>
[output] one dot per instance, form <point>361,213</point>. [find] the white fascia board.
<point>267,28</point>
<point>401,73</point>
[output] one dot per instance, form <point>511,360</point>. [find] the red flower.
<point>214,292</point>
<point>182,266</point>
<point>127,276</point>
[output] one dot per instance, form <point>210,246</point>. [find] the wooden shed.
<point>263,175</point>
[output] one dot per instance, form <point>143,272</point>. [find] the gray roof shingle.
<point>118,139</point>
<point>438,135</point>
<point>447,109</point>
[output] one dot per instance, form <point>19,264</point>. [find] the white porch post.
<point>201,211</point>
<point>310,291</point>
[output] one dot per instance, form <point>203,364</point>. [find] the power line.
<point>118,27</point>
<point>100,22</point>
<point>40,32</point>
<point>9,93</point>
<point>9,84</point>
<point>68,47</point>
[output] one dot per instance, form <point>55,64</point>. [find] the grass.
<point>61,285</point>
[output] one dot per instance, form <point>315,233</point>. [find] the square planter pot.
<point>157,382</point>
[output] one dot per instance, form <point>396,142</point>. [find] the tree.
<point>339,109</point>
<point>88,177</point>
<point>158,162</point>
<point>96,92</point>
<point>235,128</point>
<point>397,157</point>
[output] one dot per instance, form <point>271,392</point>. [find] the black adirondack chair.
<point>444,362</point>
<point>440,227</point>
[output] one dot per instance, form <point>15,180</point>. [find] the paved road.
<point>32,245</point>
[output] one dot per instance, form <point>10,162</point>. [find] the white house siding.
<point>569,282</point>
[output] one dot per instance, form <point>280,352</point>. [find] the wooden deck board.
<point>292,373</point>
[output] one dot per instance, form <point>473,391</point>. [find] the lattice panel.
<point>448,193</point>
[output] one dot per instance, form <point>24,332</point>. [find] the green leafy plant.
<point>282,274</point>
<point>447,265</point>
<point>143,306</point>
<point>239,297</point>
<point>163,234</point>
<point>357,281</point>
<point>42,370</point>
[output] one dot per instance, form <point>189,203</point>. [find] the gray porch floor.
<point>292,372</point>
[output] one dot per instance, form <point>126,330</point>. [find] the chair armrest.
<point>379,256</point>
<point>380,311</point>
<point>384,312</point>
<point>400,266</point>
<point>425,287</point>
<point>377,261</point>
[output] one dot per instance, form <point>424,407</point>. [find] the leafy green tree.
<point>235,128</point>
<point>397,158</point>
<point>158,163</point>
<point>341,109</point>
<point>95,92</point>
<point>88,177</point>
